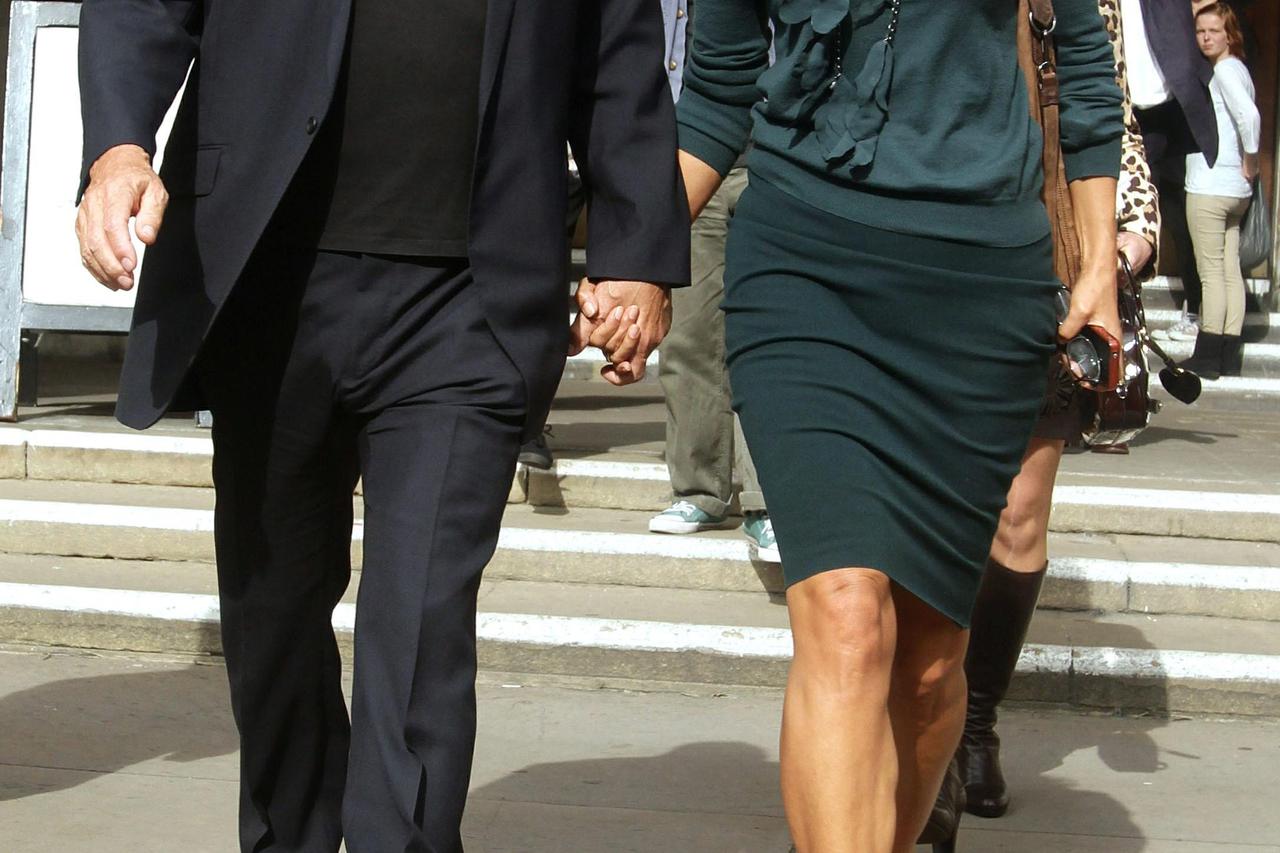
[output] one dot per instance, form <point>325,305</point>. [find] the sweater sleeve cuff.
<point>1096,161</point>
<point>714,132</point>
<point>709,150</point>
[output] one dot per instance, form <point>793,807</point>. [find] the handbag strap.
<point>1038,59</point>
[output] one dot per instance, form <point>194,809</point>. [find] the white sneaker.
<point>1185,329</point>
<point>683,517</point>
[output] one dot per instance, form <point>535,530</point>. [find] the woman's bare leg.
<point>926,707</point>
<point>1022,537</point>
<point>839,763</point>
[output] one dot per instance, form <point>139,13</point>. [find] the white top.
<point>1147,86</point>
<point>1239,133</point>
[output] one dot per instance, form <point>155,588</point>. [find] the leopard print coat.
<point>1137,210</point>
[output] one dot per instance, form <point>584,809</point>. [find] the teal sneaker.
<point>683,517</point>
<point>759,529</point>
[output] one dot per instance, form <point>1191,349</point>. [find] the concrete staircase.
<point>1164,593</point>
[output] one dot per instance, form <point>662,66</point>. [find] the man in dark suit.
<point>1169,81</point>
<point>356,260</point>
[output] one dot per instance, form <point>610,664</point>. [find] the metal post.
<point>1274,265</point>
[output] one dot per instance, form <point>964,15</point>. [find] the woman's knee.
<point>843,623</point>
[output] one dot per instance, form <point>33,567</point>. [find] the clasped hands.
<point>626,320</point>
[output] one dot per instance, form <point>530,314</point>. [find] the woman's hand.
<point>1249,166</point>
<point>1136,249</point>
<point>1094,302</point>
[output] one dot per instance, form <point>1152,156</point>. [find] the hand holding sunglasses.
<point>1093,355</point>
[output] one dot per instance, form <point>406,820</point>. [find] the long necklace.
<point>895,10</point>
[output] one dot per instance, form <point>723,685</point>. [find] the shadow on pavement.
<point>1155,435</point>
<point>103,724</point>
<point>716,797</point>
<point>1048,760</point>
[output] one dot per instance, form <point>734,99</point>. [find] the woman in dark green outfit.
<point>889,311</point>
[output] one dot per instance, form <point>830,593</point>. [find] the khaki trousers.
<point>1214,221</point>
<point>703,436</point>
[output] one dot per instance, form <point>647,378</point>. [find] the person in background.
<point>1019,554</point>
<point>1169,85</point>
<point>1218,195</point>
<point>704,442</point>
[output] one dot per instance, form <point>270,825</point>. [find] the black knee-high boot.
<point>1001,615</point>
<point>944,821</point>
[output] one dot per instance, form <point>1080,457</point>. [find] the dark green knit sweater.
<point>931,137</point>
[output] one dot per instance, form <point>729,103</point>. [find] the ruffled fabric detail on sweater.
<point>806,89</point>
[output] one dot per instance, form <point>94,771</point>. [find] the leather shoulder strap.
<point>1038,59</point>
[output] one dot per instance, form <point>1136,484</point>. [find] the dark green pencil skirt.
<point>887,385</point>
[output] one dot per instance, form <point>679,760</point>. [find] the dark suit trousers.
<point>1168,140</point>
<point>322,368</point>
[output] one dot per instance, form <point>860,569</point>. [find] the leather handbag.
<point>1116,417</point>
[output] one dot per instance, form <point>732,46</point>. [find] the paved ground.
<point>117,753</point>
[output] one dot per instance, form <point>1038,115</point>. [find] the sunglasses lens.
<point>1062,303</point>
<point>1083,355</point>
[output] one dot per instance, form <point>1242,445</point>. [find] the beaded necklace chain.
<point>895,10</point>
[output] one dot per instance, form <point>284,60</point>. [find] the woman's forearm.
<point>1094,203</point>
<point>700,182</point>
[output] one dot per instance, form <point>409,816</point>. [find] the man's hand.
<point>1136,249</point>
<point>626,320</point>
<point>122,185</point>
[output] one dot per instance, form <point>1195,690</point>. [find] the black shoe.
<point>1206,358</point>
<point>1232,361</point>
<point>1001,615</point>
<point>536,454</point>
<point>944,821</point>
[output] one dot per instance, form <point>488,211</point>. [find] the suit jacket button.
<point>312,125</point>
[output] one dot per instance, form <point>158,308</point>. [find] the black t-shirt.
<point>390,170</point>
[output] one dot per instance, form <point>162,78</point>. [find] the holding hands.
<point>626,320</point>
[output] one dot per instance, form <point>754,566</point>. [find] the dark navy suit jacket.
<point>589,71</point>
<point>1171,31</point>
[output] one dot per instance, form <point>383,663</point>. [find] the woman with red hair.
<point>1218,195</point>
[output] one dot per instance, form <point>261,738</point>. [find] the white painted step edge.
<point>606,543</point>
<point>645,636</point>
<point>1157,317</point>
<point>1173,282</point>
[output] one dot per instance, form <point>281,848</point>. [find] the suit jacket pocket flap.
<point>192,176</point>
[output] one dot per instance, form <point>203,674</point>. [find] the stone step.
<point>1261,360</point>
<point>1213,514</point>
<point>1091,499</point>
<point>1113,573</point>
<point>1166,291</point>
<point>1258,327</point>
<point>646,636</point>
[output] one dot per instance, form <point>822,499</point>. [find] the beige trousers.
<point>1214,221</point>
<point>704,440</point>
